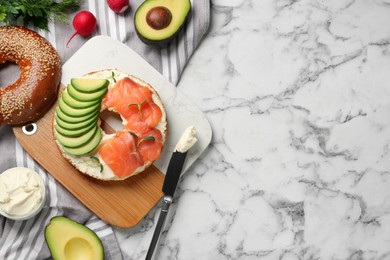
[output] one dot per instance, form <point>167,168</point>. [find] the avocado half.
<point>157,22</point>
<point>68,239</point>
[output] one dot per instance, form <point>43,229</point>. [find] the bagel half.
<point>92,164</point>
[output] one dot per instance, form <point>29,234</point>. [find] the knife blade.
<point>172,176</point>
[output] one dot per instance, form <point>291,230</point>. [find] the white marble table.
<point>298,95</point>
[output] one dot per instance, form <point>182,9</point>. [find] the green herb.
<point>133,134</point>
<point>138,105</point>
<point>112,76</point>
<point>37,12</point>
<point>147,138</point>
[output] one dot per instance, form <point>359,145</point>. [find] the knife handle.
<point>173,173</point>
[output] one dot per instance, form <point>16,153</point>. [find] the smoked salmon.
<point>134,103</point>
<point>151,113</point>
<point>140,142</point>
<point>120,154</point>
<point>150,148</point>
<point>143,118</point>
<point>125,95</point>
<point>137,125</point>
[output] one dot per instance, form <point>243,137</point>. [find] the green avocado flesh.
<point>73,133</point>
<point>68,239</point>
<point>179,11</point>
<point>76,126</point>
<point>77,115</point>
<point>85,97</point>
<point>70,101</point>
<point>86,85</point>
<point>75,142</point>
<point>86,148</point>
<point>69,119</point>
<point>77,112</point>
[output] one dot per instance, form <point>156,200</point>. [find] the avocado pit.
<point>159,17</point>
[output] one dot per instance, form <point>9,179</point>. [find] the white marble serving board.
<point>102,52</point>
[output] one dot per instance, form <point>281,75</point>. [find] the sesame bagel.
<point>34,92</point>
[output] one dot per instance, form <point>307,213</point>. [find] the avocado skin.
<point>163,42</point>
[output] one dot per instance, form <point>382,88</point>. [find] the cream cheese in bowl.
<point>22,193</point>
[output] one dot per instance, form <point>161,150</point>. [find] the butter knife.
<point>175,166</point>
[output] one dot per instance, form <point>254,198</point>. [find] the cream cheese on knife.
<point>187,140</point>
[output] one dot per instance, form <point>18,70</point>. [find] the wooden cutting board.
<point>120,203</point>
<point>123,203</point>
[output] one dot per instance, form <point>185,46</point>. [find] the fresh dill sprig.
<point>37,12</point>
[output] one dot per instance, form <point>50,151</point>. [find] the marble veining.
<point>298,96</point>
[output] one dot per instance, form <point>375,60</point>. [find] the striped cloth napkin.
<point>25,239</point>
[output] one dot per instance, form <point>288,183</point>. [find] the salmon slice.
<point>137,125</point>
<point>124,93</point>
<point>151,113</point>
<point>141,119</point>
<point>120,154</point>
<point>130,110</point>
<point>150,150</point>
<point>128,98</point>
<point>139,143</point>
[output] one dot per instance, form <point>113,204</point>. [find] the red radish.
<point>118,6</point>
<point>84,24</point>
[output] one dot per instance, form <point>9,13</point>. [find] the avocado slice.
<point>76,126</point>
<point>77,112</point>
<point>73,133</point>
<point>157,22</point>
<point>69,100</point>
<point>70,119</point>
<point>75,142</point>
<point>68,239</point>
<point>88,147</point>
<point>87,85</point>
<point>83,96</point>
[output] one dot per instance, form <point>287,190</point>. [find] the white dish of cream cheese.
<point>22,193</point>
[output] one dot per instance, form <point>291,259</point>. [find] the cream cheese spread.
<point>21,191</point>
<point>187,140</point>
